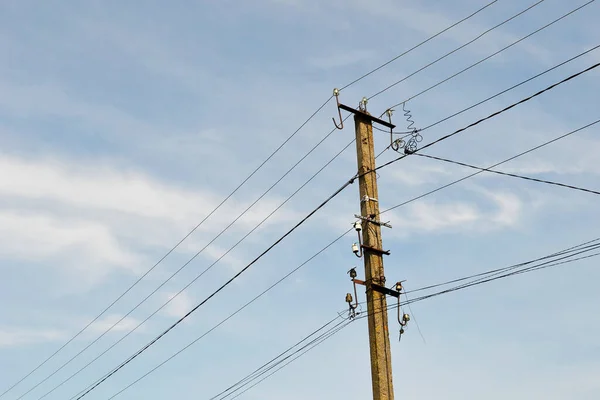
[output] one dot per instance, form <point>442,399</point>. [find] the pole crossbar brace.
<point>374,250</point>
<point>379,288</point>
<point>386,224</point>
<point>367,116</point>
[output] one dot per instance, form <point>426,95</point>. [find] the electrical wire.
<point>512,87</point>
<point>475,123</point>
<point>137,281</point>
<point>356,176</point>
<point>586,245</point>
<point>509,274</point>
<point>406,133</point>
<point>492,166</point>
<point>495,114</point>
<point>419,45</point>
<point>335,194</point>
<point>306,350</point>
<point>509,174</point>
<point>136,354</point>
<point>274,359</point>
<point>236,312</point>
<point>197,226</point>
<point>488,57</point>
<point>223,286</point>
<point>255,227</point>
<point>226,199</point>
<point>263,370</point>
<point>458,48</point>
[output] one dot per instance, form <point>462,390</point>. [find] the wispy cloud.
<point>14,337</point>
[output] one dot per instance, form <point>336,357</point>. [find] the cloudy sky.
<point>123,124</point>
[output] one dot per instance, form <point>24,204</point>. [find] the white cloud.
<point>11,337</point>
<point>80,245</point>
<point>178,306</point>
<point>99,188</point>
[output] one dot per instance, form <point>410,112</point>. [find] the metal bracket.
<point>386,224</point>
<point>366,198</point>
<point>366,115</point>
<point>379,288</point>
<point>384,290</point>
<point>374,250</point>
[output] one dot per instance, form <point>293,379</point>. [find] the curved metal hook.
<point>336,93</point>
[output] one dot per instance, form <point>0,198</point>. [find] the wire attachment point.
<point>336,93</point>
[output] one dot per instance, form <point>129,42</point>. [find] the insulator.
<point>348,298</point>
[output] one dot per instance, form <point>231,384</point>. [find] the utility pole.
<point>372,252</point>
<point>379,338</point>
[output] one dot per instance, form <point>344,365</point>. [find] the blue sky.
<point>123,125</point>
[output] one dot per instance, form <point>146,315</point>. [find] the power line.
<point>168,252</point>
<point>239,309</point>
<point>493,166</point>
<point>335,194</point>
<point>223,286</point>
<point>456,132</point>
<point>263,370</point>
<point>458,48</point>
<point>282,362</point>
<point>265,365</point>
<point>509,174</point>
<point>420,44</point>
<point>586,245</point>
<point>255,227</point>
<point>305,350</point>
<point>512,87</point>
<point>389,163</point>
<point>545,265</point>
<point>495,114</point>
<point>227,198</point>
<point>493,96</point>
<point>492,55</point>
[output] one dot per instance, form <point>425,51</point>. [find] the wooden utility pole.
<point>379,339</point>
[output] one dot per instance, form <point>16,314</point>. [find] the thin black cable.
<point>170,251</point>
<point>389,163</point>
<point>419,45</point>
<point>265,365</point>
<point>229,196</point>
<point>236,312</point>
<point>571,251</point>
<point>509,174</point>
<point>331,334</point>
<point>232,193</point>
<point>163,283</point>
<point>493,96</point>
<point>235,191</point>
<point>503,269</point>
<point>223,286</point>
<point>511,88</point>
<point>305,348</point>
<point>524,267</point>
<point>458,48</point>
<point>519,272</point>
<point>494,54</point>
<point>549,264</point>
<point>256,226</point>
<point>495,114</point>
<point>96,384</point>
<point>492,166</point>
